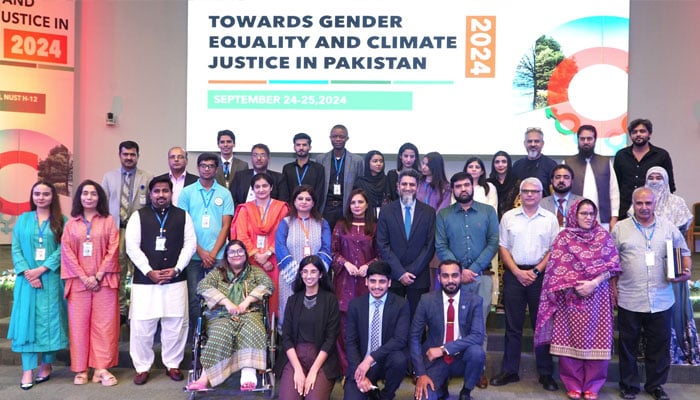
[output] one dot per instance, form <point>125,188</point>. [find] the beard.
<point>407,198</point>
<point>562,190</point>
<point>464,199</point>
<point>449,290</point>
<point>586,153</point>
<point>533,154</point>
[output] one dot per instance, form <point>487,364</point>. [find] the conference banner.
<point>458,77</point>
<point>36,102</point>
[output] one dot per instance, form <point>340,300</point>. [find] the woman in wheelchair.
<point>235,330</point>
<point>309,362</point>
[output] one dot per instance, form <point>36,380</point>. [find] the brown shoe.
<point>141,378</point>
<point>483,382</point>
<point>174,374</point>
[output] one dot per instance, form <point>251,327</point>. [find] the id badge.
<point>87,249</point>
<point>336,189</point>
<point>205,221</point>
<point>40,254</point>
<point>260,241</point>
<point>160,243</point>
<point>307,251</point>
<point>142,199</point>
<point>649,258</point>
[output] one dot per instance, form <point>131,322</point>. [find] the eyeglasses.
<point>587,214</point>
<point>207,166</point>
<point>259,155</point>
<point>529,191</point>
<point>236,252</point>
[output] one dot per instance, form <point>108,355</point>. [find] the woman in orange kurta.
<point>90,268</point>
<point>255,224</point>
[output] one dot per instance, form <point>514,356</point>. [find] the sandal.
<point>248,386</point>
<point>196,386</point>
<point>574,394</point>
<point>590,395</point>
<point>104,377</point>
<point>81,378</point>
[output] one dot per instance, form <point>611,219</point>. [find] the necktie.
<point>407,221</point>
<point>226,169</point>
<point>125,198</point>
<point>450,328</point>
<point>375,339</point>
<point>560,216</point>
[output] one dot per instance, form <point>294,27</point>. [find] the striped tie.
<point>375,339</point>
<point>125,199</point>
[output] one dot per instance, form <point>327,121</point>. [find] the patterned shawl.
<point>669,205</point>
<point>577,254</point>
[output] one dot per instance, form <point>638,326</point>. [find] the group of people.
<point>369,272</point>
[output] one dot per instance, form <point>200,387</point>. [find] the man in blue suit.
<point>376,336</point>
<point>406,239</point>
<point>454,338</point>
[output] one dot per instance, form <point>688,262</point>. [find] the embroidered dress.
<point>234,342</point>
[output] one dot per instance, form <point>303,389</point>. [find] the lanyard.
<point>162,220</point>
<point>306,169</point>
<point>88,225</point>
<point>263,211</point>
<point>42,228</point>
<point>428,192</point>
<point>338,166</point>
<point>205,201</point>
<point>643,231</point>
<point>304,228</point>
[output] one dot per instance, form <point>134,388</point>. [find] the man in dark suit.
<point>178,175</point>
<point>562,198</point>
<point>455,334</point>
<point>240,187</point>
<point>228,165</point>
<point>376,335</point>
<point>406,240</point>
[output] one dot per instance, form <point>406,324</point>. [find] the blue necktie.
<point>407,221</point>
<point>226,170</point>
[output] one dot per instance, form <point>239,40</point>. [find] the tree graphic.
<point>536,67</point>
<point>57,168</point>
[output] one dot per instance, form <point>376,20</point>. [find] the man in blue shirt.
<point>211,207</point>
<point>467,231</point>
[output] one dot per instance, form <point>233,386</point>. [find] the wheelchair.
<point>266,378</point>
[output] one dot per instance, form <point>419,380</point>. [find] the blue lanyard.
<point>264,213</point>
<point>42,228</point>
<point>306,169</point>
<point>428,192</point>
<point>205,201</point>
<point>642,230</point>
<point>338,166</point>
<point>162,220</point>
<point>88,225</point>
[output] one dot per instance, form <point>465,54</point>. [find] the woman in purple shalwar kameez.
<point>575,316</point>
<point>353,248</point>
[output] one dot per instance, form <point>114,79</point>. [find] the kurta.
<point>234,342</point>
<point>251,224</point>
<point>39,321</point>
<point>93,317</point>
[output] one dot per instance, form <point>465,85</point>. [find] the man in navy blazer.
<point>408,254</point>
<point>445,354</point>
<point>240,187</point>
<point>389,359</point>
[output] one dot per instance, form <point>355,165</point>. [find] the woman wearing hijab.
<point>375,183</point>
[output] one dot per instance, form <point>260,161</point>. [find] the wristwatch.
<point>177,271</point>
<point>444,351</point>
<point>536,272</point>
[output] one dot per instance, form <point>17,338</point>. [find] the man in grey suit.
<point>454,338</point>
<point>562,198</point>
<point>342,168</point>
<point>228,165</point>
<point>127,191</point>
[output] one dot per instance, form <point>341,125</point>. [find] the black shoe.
<point>465,394</point>
<point>659,393</point>
<point>548,383</point>
<point>628,394</point>
<point>504,378</point>
<point>444,393</point>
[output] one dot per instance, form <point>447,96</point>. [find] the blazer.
<point>112,184</point>
<point>326,330</point>
<point>241,184</point>
<point>430,314</point>
<point>353,167</point>
<point>189,178</point>
<point>549,203</point>
<point>396,320</point>
<point>236,165</point>
<point>412,254</point>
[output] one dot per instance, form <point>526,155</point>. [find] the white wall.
<point>133,54</point>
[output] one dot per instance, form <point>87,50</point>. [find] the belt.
<point>526,267</point>
<point>122,224</point>
<point>487,272</point>
<point>334,203</point>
